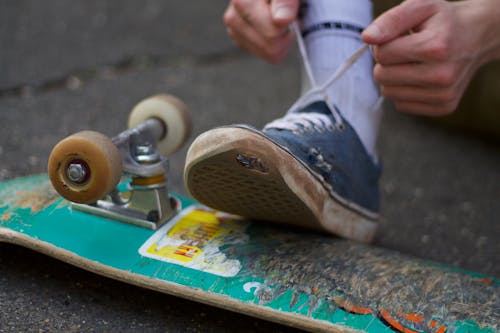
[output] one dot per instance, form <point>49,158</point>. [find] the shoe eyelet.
<point>309,130</point>
<point>341,127</point>
<point>298,132</point>
<point>319,129</point>
<point>330,127</point>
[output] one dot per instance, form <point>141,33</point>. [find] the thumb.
<point>284,12</point>
<point>399,20</point>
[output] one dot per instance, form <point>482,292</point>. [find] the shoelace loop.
<point>301,123</point>
<point>318,90</point>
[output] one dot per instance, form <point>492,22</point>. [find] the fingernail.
<point>373,32</point>
<point>284,13</point>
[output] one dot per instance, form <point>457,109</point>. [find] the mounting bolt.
<point>76,172</point>
<point>145,153</point>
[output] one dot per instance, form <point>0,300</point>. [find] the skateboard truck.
<point>147,203</point>
<point>86,167</point>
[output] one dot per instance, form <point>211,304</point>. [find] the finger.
<point>399,20</point>
<point>284,12</point>
<point>245,36</point>
<point>243,42</point>
<point>242,32</point>
<point>417,47</point>
<point>426,109</point>
<point>235,22</point>
<point>417,74</point>
<point>412,94</point>
<point>257,13</point>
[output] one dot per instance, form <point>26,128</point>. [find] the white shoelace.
<point>293,121</point>
<point>300,123</point>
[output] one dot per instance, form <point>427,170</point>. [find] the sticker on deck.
<point>194,239</point>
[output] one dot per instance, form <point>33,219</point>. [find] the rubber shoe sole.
<point>242,172</point>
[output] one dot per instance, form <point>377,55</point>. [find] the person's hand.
<point>261,26</point>
<point>427,51</point>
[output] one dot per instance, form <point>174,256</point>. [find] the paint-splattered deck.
<point>310,281</point>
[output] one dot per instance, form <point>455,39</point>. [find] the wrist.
<point>484,15</point>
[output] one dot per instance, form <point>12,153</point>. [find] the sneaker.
<point>308,168</point>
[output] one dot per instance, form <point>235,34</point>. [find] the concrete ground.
<point>67,66</point>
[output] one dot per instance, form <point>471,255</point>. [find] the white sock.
<point>331,30</point>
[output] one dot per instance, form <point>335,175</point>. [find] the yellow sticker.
<point>194,238</point>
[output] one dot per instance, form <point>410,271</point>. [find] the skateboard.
<point>105,207</point>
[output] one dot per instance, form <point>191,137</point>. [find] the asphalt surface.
<point>67,66</point>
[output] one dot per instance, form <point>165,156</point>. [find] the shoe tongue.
<point>316,107</point>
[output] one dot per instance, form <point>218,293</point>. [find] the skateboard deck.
<point>293,277</point>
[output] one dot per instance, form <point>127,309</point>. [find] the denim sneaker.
<point>307,168</point>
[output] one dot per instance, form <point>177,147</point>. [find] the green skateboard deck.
<point>301,279</point>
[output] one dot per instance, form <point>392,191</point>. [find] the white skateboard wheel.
<point>174,115</point>
<point>85,166</point>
